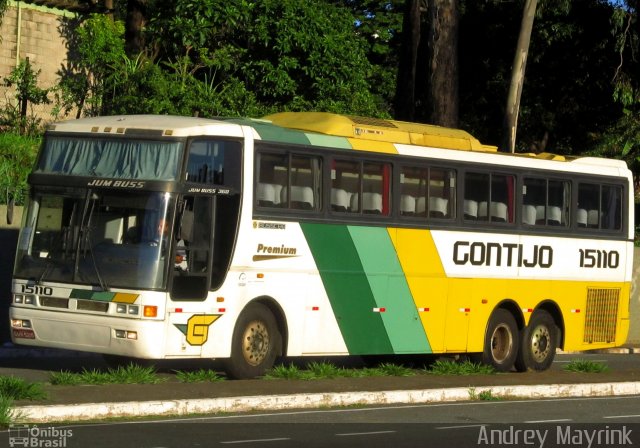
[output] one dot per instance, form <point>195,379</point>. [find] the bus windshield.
<point>110,157</point>
<point>101,238</point>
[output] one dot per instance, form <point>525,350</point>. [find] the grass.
<point>198,376</point>
<point>390,369</point>
<point>282,372</point>
<point>130,374</point>
<point>18,389</point>
<point>324,370</point>
<point>11,389</point>
<point>484,395</point>
<point>449,367</point>
<point>583,365</point>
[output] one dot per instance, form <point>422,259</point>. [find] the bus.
<point>316,234</point>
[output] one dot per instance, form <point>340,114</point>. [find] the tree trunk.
<point>443,63</point>
<point>406,81</point>
<point>108,6</point>
<point>136,11</point>
<point>517,77</point>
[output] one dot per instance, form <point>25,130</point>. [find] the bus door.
<point>188,314</point>
<point>204,237</point>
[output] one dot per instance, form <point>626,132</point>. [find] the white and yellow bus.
<point>313,234</point>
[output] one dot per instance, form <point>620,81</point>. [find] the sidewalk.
<point>172,398</point>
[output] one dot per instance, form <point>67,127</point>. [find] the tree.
<point>134,24</point>
<point>442,94</point>
<point>517,76</point>
<point>286,54</point>
<point>405,101</point>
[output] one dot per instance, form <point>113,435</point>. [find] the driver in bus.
<point>180,262</point>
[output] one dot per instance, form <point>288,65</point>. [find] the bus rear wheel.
<point>501,341</point>
<point>539,342</point>
<point>255,344</point>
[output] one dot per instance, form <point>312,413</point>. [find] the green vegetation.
<point>11,389</point>
<point>450,367</point>
<point>130,374</point>
<point>484,395</point>
<point>7,413</point>
<point>17,156</point>
<point>586,366</point>
<point>324,370</point>
<point>18,389</point>
<point>390,369</point>
<point>198,376</point>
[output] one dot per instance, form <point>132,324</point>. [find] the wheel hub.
<point>501,343</point>
<point>255,343</point>
<point>540,343</point>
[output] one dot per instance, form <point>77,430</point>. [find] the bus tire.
<point>538,343</point>
<point>255,344</point>
<point>501,341</point>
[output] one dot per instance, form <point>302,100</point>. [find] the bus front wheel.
<point>539,341</point>
<point>255,345</point>
<point>501,341</point>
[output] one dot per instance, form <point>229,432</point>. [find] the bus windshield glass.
<point>96,237</point>
<point>111,157</point>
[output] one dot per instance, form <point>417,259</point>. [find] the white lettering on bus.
<point>502,254</point>
<point>115,183</point>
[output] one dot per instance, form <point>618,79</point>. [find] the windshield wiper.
<point>85,240</point>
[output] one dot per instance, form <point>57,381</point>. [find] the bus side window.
<point>599,207</point>
<point>302,188</point>
<point>345,185</point>
<point>611,201</point>
<point>489,197</point>
<point>272,176</point>
<point>546,202</point>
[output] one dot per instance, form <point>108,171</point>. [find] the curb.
<point>97,411</point>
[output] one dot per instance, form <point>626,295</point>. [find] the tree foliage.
<point>238,57</point>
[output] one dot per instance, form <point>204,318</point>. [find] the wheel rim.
<point>540,343</point>
<point>255,342</point>
<point>501,343</point>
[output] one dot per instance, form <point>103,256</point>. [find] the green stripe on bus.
<point>85,294</point>
<point>348,289</point>
<point>271,133</point>
<point>81,294</point>
<point>390,289</point>
<point>328,141</point>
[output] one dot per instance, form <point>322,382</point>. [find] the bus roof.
<point>367,131</point>
<point>379,130</point>
<point>344,131</point>
<point>149,125</point>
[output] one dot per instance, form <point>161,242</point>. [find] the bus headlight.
<point>20,323</point>
<point>27,300</point>
<point>132,310</point>
<point>124,334</point>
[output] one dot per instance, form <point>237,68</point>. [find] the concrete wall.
<point>9,240</point>
<point>37,33</point>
